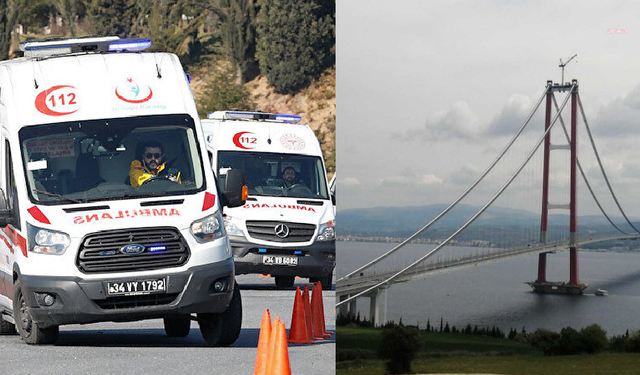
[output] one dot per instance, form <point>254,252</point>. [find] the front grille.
<point>100,252</point>
<point>266,230</point>
<point>129,302</point>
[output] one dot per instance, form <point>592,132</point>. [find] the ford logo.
<point>132,249</point>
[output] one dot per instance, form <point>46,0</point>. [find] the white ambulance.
<point>286,228</point>
<point>79,243</point>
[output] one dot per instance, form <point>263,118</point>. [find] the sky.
<point>429,92</point>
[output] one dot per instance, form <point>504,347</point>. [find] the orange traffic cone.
<point>317,310</point>
<point>272,344</point>
<point>311,333</point>
<point>279,364</point>
<point>262,358</point>
<point>298,330</point>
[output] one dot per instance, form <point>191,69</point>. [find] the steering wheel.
<point>155,179</point>
<point>300,189</point>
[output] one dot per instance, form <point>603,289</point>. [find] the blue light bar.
<point>297,252</point>
<point>262,251</point>
<point>130,45</point>
<point>154,249</point>
<point>288,118</point>
<point>238,115</point>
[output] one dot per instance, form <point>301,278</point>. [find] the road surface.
<point>143,347</point>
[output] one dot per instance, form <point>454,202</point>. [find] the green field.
<point>457,353</point>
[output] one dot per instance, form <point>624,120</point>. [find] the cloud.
<point>458,122</point>
<point>620,117</point>
<point>409,178</point>
<point>466,175</point>
<point>511,117</point>
<point>461,123</point>
<point>350,181</point>
<point>430,179</point>
<point>397,181</point>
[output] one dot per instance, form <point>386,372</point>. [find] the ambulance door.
<point>9,217</point>
<point>5,258</point>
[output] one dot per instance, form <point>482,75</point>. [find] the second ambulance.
<point>286,228</point>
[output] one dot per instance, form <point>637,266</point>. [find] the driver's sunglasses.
<point>154,155</point>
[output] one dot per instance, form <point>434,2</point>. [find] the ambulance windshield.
<point>279,175</point>
<point>87,161</point>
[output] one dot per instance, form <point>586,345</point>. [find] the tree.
<point>68,9</point>
<point>545,340</point>
<point>222,93</point>
<point>570,341</point>
<point>594,338</point>
<point>295,41</point>
<point>8,15</point>
<point>111,17</point>
<point>239,31</point>
<point>399,346</point>
<point>35,14</point>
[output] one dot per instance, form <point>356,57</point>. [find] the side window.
<point>12,193</point>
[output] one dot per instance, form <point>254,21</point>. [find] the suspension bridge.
<point>371,280</point>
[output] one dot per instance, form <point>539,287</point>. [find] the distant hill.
<point>506,224</point>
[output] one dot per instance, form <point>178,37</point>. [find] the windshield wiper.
<point>57,196</point>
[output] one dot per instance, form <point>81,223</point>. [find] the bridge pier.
<point>344,309</point>
<point>353,309</point>
<point>542,268</point>
<point>376,299</point>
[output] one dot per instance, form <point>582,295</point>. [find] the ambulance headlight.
<point>233,226</point>
<point>327,231</point>
<point>209,228</point>
<point>46,241</point>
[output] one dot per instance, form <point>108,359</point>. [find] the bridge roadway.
<point>356,284</point>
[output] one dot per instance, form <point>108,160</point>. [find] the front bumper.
<point>86,301</point>
<point>316,260</point>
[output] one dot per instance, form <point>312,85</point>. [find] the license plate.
<point>280,260</point>
<point>138,287</point>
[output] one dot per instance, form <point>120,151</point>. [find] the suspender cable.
<point>464,194</point>
<point>470,221</point>
<point>584,176</point>
<point>595,150</point>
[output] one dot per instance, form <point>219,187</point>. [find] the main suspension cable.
<point>462,196</point>
<point>470,221</point>
<point>584,176</point>
<point>595,150</point>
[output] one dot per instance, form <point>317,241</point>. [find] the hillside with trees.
<point>269,55</point>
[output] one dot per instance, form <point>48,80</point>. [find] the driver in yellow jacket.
<point>152,166</point>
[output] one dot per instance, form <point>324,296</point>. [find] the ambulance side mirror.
<point>235,189</point>
<point>5,211</point>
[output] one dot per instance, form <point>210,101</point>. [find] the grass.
<point>456,353</point>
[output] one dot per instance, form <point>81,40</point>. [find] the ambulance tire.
<point>177,325</point>
<point>223,329</point>
<point>6,327</point>
<point>285,281</point>
<point>28,329</point>
<point>326,281</point>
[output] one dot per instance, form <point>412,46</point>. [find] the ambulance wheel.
<point>6,327</point>
<point>284,281</point>
<point>326,281</point>
<point>29,330</point>
<point>177,325</point>
<point>223,329</point>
